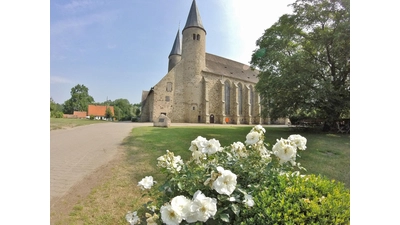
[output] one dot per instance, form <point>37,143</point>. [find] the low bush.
<point>56,114</point>
<point>295,199</point>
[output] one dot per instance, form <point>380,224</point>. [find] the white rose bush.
<point>216,183</point>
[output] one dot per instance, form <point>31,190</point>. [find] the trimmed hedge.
<point>292,199</point>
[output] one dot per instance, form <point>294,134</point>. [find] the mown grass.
<point>60,123</point>
<point>326,154</point>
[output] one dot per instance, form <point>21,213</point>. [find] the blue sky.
<point>119,48</point>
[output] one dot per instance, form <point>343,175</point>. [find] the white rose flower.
<point>252,138</point>
<point>146,183</point>
<point>226,182</point>
<point>239,150</point>
<point>169,216</point>
<point>198,144</point>
<point>170,162</point>
<point>132,218</point>
<point>284,150</point>
<point>212,146</point>
<point>181,205</point>
<point>299,141</point>
<point>248,200</point>
<point>177,163</point>
<point>202,208</point>
<point>258,128</point>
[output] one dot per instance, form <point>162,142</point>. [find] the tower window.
<point>167,98</point>
<point>194,36</point>
<point>169,86</point>
<point>198,37</point>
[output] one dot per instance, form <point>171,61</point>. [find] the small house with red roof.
<point>99,111</point>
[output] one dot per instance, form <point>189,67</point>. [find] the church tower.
<point>194,61</point>
<point>175,55</point>
<point>194,39</point>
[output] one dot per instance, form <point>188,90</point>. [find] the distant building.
<point>80,114</point>
<point>99,111</point>
<point>201,87</point>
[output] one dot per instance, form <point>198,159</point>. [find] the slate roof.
<point>144,95</point>
<point>229,68</point>
<point>194,19</point>
<point>176,48</point>
<point>98,110</point>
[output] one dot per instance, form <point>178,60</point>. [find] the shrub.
<point>57,114</point>
<point>91,117</point>
<point>294,199</point>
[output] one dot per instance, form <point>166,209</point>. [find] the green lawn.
<point>60,123</point>
<point>326,154</point>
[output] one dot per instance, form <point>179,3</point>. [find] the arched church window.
<point>240,99</point>
<point>194,36</point>
<point>198,37</point>
<point>227,98</point>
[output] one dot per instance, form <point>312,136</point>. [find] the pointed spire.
<point>176,48</point>
<point>194,19</point>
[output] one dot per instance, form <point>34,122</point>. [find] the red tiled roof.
<point>99,110</point>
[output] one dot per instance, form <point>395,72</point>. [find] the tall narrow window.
<point>169,86</point>
<point>194,36</point>
<point>240,99</point>
<point>227,98</point>
<point>198,37</point>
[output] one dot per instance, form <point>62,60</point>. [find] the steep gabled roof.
<point>194,19</point>
<point>229,68</point>
<point>176,48</point>
<point>99,110</point>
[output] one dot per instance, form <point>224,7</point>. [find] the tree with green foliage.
<point>55,109</point>
<point>304,62</point>
<point>109,114</point>
<point>79,101</point>
<point>124,109</point>
<point>136,109</point>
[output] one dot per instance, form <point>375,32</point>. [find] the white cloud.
<point>58,80</point>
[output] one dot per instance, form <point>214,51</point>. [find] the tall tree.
<point>124,109</point>
<point>79,101</point>
<point>304,60</point>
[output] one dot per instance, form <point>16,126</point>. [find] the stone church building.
<point>201,87</point>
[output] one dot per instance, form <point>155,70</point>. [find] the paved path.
<point>79,151</point>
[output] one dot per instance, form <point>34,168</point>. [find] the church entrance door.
<point>212,118</point>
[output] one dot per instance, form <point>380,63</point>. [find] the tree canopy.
<point>79,101</point>
<point>123,109</point>
<point>304,62</point>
